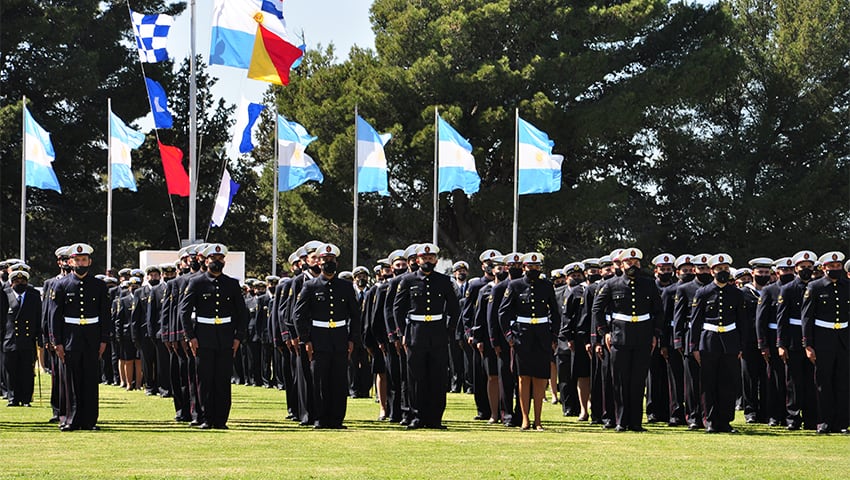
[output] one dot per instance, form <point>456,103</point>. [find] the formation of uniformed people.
<point>687,344</point>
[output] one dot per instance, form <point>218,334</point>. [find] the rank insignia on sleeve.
<point>694,303</point>
<point>806,295</point>
<point>778,300</point>
<point>760,300</point>
<point>507,293</point>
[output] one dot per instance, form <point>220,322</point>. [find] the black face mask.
<point>805,274</point>
<point>362,282</point>
<point>153,283</point>
<point>329,268</point>
<point>835,274</point>
<point>574,282</point>
<point>296,271</point>
<point>427,267</point>
<point>761,280</point>
<point>515,272</point>
<point>413,266</point>
<point>184,270</point>
<point>666,277</point>
<point>399,271</point>
<point>4,276</point>
<point>722,276</point>
<point>66,268</point>
<point>533,274</point>
<point>462,276</point>
<point>195,265</point>
<point>20,288</point>
<point>387,277</point>
<point>216,266</point>
<point>502,276</point>
<point>618,272</point>
<point>81,270</point>
<point>686,277</point>
<point>632,271</point>
<point>594,277</point>
<point>785,278</point>
<point>607,276</point>
<point>704,278</point>
<point>316,269</point>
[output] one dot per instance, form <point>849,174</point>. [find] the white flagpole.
<point>356,165</point>
<point>193,131</point>
<point>24,183</point>
<point>516,180</point>
<point>109,185</point>
<point>275,168</point>
<point>436,176</point>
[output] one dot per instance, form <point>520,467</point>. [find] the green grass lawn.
<point>139,440</point>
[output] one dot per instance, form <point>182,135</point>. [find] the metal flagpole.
<point>275,188</point>
<point>193,131</point>
<point>109,186</point>
<point>516,179</point>
<point>356,165</point>
<point>24,182</point>
<point>436,175</point>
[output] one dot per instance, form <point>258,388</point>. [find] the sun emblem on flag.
<point>538,156</point>
<point>258,17</point>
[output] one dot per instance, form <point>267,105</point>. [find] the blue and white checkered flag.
<point>151,36</point>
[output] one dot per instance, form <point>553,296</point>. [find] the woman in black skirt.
<point>530,318</point>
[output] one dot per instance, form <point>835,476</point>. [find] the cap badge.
<point>788,262</point>
<point>534,258</point>
<point>633,253</point>
<point>79,249</point>
<point>427,249</point>
<point>721,258</point>
<point>806,256</point>
<point>328,249</point>
<point>835,256</point>
<point>218,248</point>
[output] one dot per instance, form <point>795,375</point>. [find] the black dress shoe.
<point>652,419</point>
<point>340,427</point>
<point>182,419</point>
<point>66,428</point>
<point>195,423</point>
<point>438,426</point>
<point>414,424</point>
<point>93,428</point>
<point>732,430</point>
<point>637,428</point>
<point>793,427</point>
<point>607,425</point>
<point>480,417</point>
<point>693,426</point>
<point>53,420</point>
<point>27,405</point>
<point>404,422</point>
<point>583,418</point>
<point>205,426</point>
<point>823,429</point>
<point>13,404</point>
<point>711,430</point>
<point>221,427</point>
<point>772,423</point>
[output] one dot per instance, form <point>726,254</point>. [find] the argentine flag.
<point>371,161</point>
<point>456,163</point>
<point>39,156</point>
<point>295,166</point>
<point>122,140</point>
<point>539,170</point>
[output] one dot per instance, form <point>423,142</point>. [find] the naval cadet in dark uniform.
<point>215,333</point>
<point>675,360</point>
<point>754,371</point>
<point>601,388</point>
<point>826,337</point>
<point>51,361</point>
<point>427,311</point>
<point>20,331</point>
<point>714,340</point>
<point>153,317</point>
<point>508,396</point>
<point>327,321</point>
<point>530,317</point>
<point>801,396</point>
<point>657,386</point>
<point>468,298</point>
<point>682,320</point>
<point>397,373</point>
<point>79,329</point>
<point>631,335</point>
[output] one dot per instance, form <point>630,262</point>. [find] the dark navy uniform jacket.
<point>79,298</point>
<point>531,299</point>
<point>828,302</point>
<point>327,300</point>
<point>683,301</point>
<point>213,297</point>
<point>768,304</point>
<point>20,323</point>
<point>720,308</point>
<point>428,296</point>
<point>789,315</point>
<point>630,299</point>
